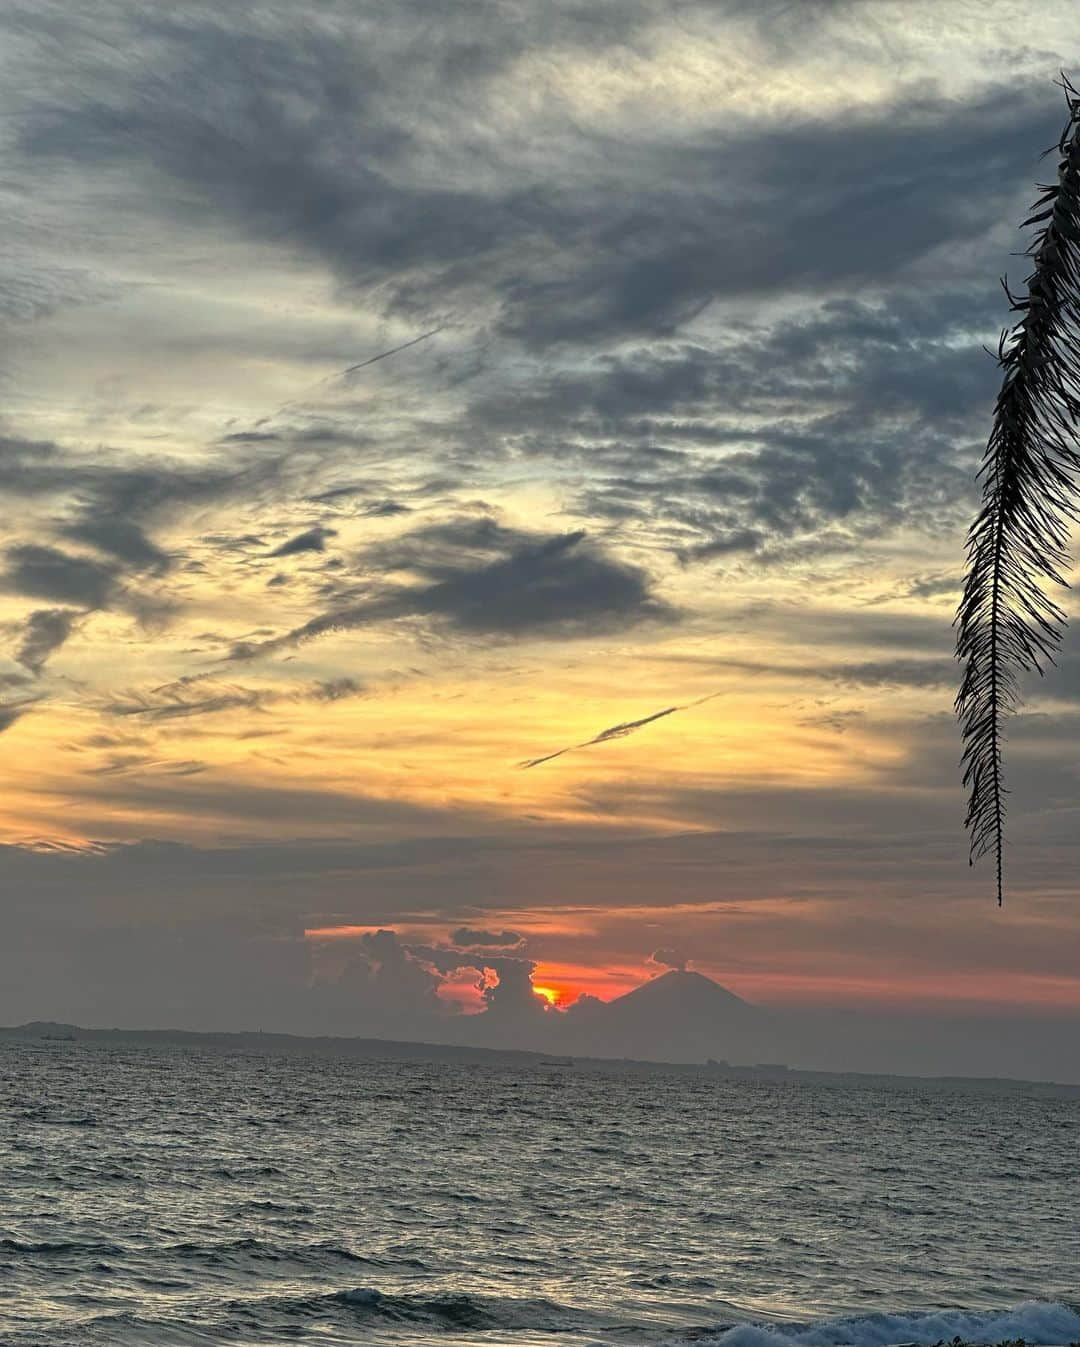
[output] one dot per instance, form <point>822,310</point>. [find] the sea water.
<point>176,1195</point>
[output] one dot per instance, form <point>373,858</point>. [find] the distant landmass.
<point>686,1019</point>
<point>44,1031</point>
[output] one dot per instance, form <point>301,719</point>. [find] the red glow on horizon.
<point>336,932</point>
<point>561,984</point>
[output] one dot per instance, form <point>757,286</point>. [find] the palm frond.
<point>1007,625</point>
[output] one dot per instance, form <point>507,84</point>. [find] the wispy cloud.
<point>201,695</point>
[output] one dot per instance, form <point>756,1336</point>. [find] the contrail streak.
<point>393,351</point>
<point>341,374</point>
<point>617,731</point>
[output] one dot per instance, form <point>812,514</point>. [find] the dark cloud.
<point>912,673</point>
<point>43,633</point>
<point>383,974</point>
<point>934,586</point>
<point>10,713</point>
<point>732,543</point>
<point>290,130</point>
<point>108,506</point>
<point>919,673</point>
<point>510,1000</point>
<point>313,540</point>
<point>121,539</point>
<point>856,404</point>
<point>488,580</point>
<point>384,509</point>
<point>669,957</point>
<point>296,133</point>
<point>806,433</point>
<point>339,493</point>
<point>109,495</point>
<point>48,573</point>
<point>468,937</point>
<point>335,689</point>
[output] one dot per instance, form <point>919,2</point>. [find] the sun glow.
<point>569,981</point>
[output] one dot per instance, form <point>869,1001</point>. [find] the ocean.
<point>170,1194</point>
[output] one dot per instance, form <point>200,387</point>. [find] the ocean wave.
<point>363,1310</point>
<point>60,1248</point>
<point>1039,1323</point>
<point>272,1258</point>
<point>451,1312</point>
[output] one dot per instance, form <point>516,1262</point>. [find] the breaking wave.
<point>1040,1323</point>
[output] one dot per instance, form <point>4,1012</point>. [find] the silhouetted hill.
<point>678,993</point>
<point>678,1016</point>
<point>74,1038</point>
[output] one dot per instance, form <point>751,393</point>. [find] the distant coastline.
<point>403,1049</point>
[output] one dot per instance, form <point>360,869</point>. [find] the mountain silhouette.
<point>678,1016</point>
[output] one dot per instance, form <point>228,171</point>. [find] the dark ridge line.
<point>390,1049</point>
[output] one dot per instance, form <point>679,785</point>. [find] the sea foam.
<point>1041,1323</point>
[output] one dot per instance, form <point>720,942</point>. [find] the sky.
<point>495,474</point>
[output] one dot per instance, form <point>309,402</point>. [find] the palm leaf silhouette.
<point>1007,625</point>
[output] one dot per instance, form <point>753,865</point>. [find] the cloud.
<point>388,979</point>
<point>469,937</point>
<point>510,1000</point>
<point>295,133</point>
<point>112,498</point>
<point>912,673</point>
<point>48,573</point>
<point>334,689</point>
<point>122,539</point>
<point>487,580</point>
<point>10,713</point>
<point>103,505</point>
<point>43,633</point>
<point>385,977</point>
<point>202,695</point>
<point>313,540</point>
<point>190,697</point>
<point>771,439</point>
<point>668,957</point>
